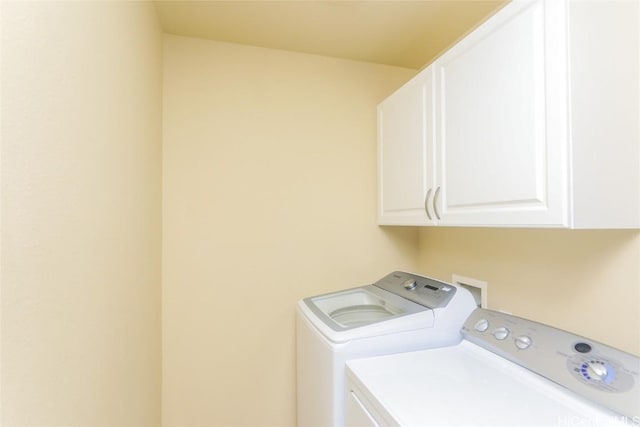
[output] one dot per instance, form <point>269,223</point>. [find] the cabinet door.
<point>502,139</point>
<point>405,152</point>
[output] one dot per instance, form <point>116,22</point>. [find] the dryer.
<point>507,371</point>
<point>400,312</point>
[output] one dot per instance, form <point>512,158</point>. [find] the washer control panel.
<point>606,375</point>
<point>422,290</point>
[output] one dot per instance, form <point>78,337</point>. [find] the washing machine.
<point>399,313</point>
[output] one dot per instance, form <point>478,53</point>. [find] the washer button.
<point>523,342</point>
<point>481,325</point>
<point>501,333</point>
<point>410,284</point>
<point>582,347</point>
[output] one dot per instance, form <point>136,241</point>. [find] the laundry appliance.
<point>400,312</point>
<point>507,371</point>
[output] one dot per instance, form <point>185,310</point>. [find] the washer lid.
<point>360,314</point>
<point>465,385</point>
<point>364,311</point>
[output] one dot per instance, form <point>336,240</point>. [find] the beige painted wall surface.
<point>269,196</point>
<point>587,282</point>
<point>81,194</point>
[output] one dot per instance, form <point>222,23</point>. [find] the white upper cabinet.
<point>406,153</point>
<point>502,122</point>
<point>536,122</point>
<point>604,151</point>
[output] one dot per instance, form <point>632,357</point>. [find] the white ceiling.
<point>395,32</point>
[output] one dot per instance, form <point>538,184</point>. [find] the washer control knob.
<point>481,325</point>
<point>410,284</point>
<point>597,370</point>
<point>523,342</point>
<point>501,333</point>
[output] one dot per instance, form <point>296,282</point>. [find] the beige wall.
<point>587,282</point>
<point>81,191</point>
<point>269,196</point>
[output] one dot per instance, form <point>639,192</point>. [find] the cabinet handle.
<point>435,203</point>
<point>426,204</point>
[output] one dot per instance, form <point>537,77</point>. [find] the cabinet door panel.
<point>498,161</point>
<point>405,137</point>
